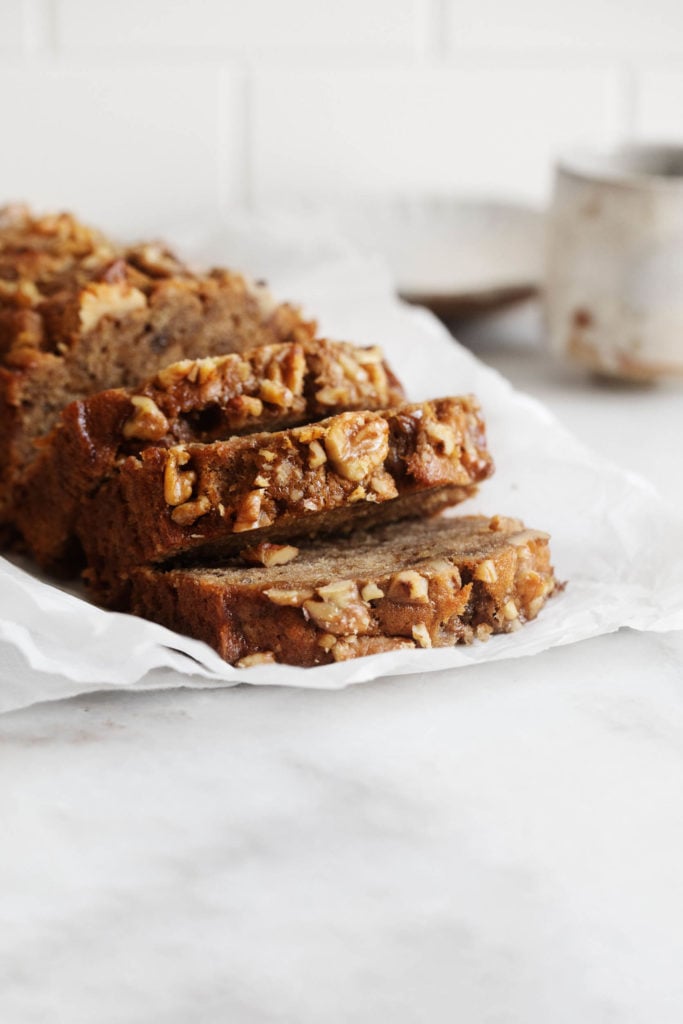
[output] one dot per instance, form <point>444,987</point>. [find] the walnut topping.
<point>189,511</point>
<point>266,455</point>
<point>250,406</point>
<point>383,485</point>
<point>486,571</point>
<point>421,635</point>
<point>334,396</point>
<point>148,422</point>
<point>357,444</point>
<point>339,609</point>
<point>352,367</point>
<point>260,658</point>
<point>178,485</point>
<point>270,554</point>
<point>408,587</point>
<point>369,356</point>
<point>288,598</point>
<point>442,435</point>
<point>249,512</point>
<point>371,592</point>
<point>327,641</point>
<point>316,455</point>
<point>510,611</point>
<point>483,631</point>
<point>275,393</point>
<point>174,373</point>
<point>101,299</point>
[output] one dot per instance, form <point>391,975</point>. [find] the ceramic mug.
<point>614,268</point>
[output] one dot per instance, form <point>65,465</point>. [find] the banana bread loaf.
<point>200,501</point>
<point>79,315</point>
<point>429,583</point>
<point>266,388</point>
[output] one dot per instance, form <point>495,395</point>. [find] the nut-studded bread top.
<point>427,583</point>
<point>198,501</point>
<point>266,388</point>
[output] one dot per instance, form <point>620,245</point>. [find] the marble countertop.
<point>498,844</point>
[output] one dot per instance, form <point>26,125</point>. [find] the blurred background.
<point>131,111</point>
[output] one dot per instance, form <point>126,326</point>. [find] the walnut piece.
<point>190,511</point>
<point>288,598</point>
<point>269,554</point>
<point>408,587</point>
<point>486,571</point>
<point>357,443</point>
<point>101,299</point>
<point>339,609</point>
<point>260,658</point>
<point>148,422</point>
<point>178,485</point>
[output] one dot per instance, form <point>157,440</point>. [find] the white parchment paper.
<point>613,538</point>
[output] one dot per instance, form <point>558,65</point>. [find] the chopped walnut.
<point>148,422</point>
<point>100,299</point>
<point>316,455</point>
<point>357,444</point>
<point>510,611</point>
<point>408,587</point>
<point>177,484</point>
<point>486,571</point>
<point>339,609</point>
<point>269,554</point>
<point>275,394</point>
<point>288,598</point>
<point>190,511</point>
<point>421,635</point>
<point>174,373</point>
<point>371,592</point>
<point>443,437</point>
<point>249,512</point>
<point>260,658</point>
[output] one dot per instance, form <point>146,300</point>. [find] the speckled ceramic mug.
<point>614,270</point>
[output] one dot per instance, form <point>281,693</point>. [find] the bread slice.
<point>109,319</point>
<point>429,583</point>
<point>200,501</point>
<point>266,388</point>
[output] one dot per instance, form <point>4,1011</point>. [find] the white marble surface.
<point>499,844</point>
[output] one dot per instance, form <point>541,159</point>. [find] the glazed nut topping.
<point>173,374</point>
<point>190,511</point>
<point>369,356</point>
<point>270,554</point>
<point>276,394</point>
<point>339,609</point>
<point>357,444</point>
<point>331,395</point>
<point>177,484</point>
<point>288,598</point>
<point>371,592</point>
<point>421,635</point>
<point>250,406</point>
<point>442,436</point>
<point>260,658</point>
<point>486,571</point>
<point>148,422</point>
<point>408,587</point>
<point>102,299</point>
<point>316,455</point>
<point>249,512</point>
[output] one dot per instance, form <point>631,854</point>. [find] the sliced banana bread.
<point>200,501</point>
<point>430,583</point>
<point>266,388</point>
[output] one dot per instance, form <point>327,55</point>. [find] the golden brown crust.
<point>424,584</point>
<point>266,388</point>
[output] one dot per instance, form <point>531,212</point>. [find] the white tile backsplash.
<point>280,28</point>
<point>659,106</point>
<point>613,26</point>
<point>132,151</point>
<point>140,110</point>
<point>485,131</point>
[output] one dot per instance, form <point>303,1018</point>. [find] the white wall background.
<point>133,112</point>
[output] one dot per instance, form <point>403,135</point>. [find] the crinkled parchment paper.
<point>613,538</point>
